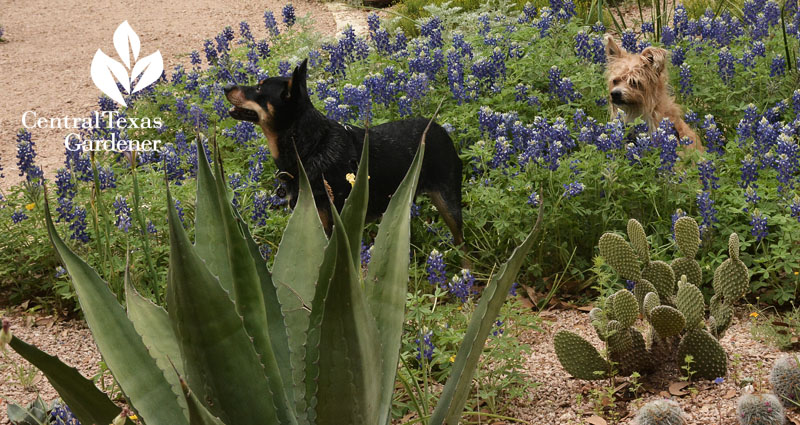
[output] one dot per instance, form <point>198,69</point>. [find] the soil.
<point>554,401</point>
<point>45,60</point>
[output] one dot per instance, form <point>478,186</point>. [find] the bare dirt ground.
<point>553,402</point>
<point>45,62</point>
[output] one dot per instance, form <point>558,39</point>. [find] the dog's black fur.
<point>329,150</point>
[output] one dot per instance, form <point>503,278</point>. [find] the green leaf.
<point>348,390</point>
<point>355,207</point>
<point>122,348</point>
<point>218,353</point>
<point>295,273</point>
<point>198,414</point>
<point>387,279</point>
<point>454,395</point>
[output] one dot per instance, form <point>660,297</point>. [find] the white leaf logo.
<point>107,71</point>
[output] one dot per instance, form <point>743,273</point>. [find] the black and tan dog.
<point>329,150</point>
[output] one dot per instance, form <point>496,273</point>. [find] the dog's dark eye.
<point>616,81</point>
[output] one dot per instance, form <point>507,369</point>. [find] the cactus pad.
<point>651,301</point>
<point>626,309</point>
<point>660,274</point>
<point>640,289</point>
<point>689,267</point>
<point>690,302</point>
<point>578,357</point>
<point>620,256</point>
<point>785,380</point>
<point>660,412</point>
<point>667,321</point>
<point>721,313</point>
<point>733,246</point>
<point>710,361</point>
<point>687,236</point>
<point>731,280</point>
<point>619,339</point>
<point>760,409</point>
<point>636,359</point>
<point>639,240</point>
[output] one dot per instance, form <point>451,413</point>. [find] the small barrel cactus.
<point>760,409</point>
<point>785,380</point>
<point>660,412</point>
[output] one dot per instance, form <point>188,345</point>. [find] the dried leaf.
<point>678,388</point>
<point>596,420</point>
<point>730,394</point>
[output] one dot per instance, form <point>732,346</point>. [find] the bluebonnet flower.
<point>360,98</point>
<point>260,208</point>
<point>706,169</point>
<point>513,290</point>
<point>598,28</point>
<point>668,36</point>
<point>26,157</point>
<point>288,15</point>
<point>751,196</point>
<point>404,106</point>
<point>529,12</point>
<point>647,27</point>
<point>263,49</point>
<point>708,213</point>
<point>461,285</point>
<point>271,24</point>
<point>759,223</point>
<point>314,58</point>
<point>749,172</point>
<point>598,49</point>
<point>107,178</point>
<point>78,225</point>
<point>796,99</point>
<point>794,208</point>
<point>65,186</point>
<point>265,250</point>
<point>432,28</point>
<point>199,118</point>
<point>436,269</point>
<point>666,139</point>
<point>242,133</point>
<point>778,66</point>
<point>786,162</point>
<point>629,41</point>
<point>223,40</point>
<point>424,345</point>
<point>210,51</point>
<point>680,20</point>
<point>582,45</point>
<point>123,213</point>
<point>678,56</point>
<point>483,19</point>
<point>545,21</point>
<point>61,414</point>
<point>284,68</point>
<point>366,254</point>
<point>172,164</point>
<point>533,199</point>
<point>151,228</point>
<point>18,216</point>
<point>725,65</point>
<point>195,57</point>
<point>220,108</point>
<point>759,49</point>
<point>715,140</point>
<point>417,86</point>
<point>750,10</point>
<point>498,328</point>
<point>415,210</point>
<point>179,210</point>
<point>691,117</point>
<point>686,80</point>
<point>573,189</point>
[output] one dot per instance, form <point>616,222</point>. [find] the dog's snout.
<point>616,96</point>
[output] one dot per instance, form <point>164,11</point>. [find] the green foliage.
<point>660,412</point>
<point>760,409</point>
<point>35,413</point>
<point>785,380</point>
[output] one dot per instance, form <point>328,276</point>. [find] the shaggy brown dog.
<point>637,84</point>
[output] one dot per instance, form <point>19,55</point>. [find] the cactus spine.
<point>785,380</point>
<point>760,409</point>
<point>660,412</point>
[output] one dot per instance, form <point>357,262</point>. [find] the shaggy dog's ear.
<point>613,51</point>
<point>655,57</point>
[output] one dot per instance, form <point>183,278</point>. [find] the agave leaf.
<point>454,395</point>
<point>276,323</point>
<point>122,348</point>
<point>355,207</point>
<point>247,295</point>
<point>198,414</point>
<point>348,390</point>
<point>218,353</point>
<point>152,323</point>
<point>209,235</point>
<point>88,404</point>
<point>387,279</point>
<point>294,274</point>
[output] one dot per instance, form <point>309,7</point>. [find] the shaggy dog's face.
<point>634,80</point>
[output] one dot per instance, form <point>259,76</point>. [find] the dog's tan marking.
<point>328,189</point>
<point>264,118</point>
<point>642,81</point>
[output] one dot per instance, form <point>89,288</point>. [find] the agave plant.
<point>308,342</point>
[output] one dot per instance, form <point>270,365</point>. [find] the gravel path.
<point>44,65</point>
<point>553,402</point>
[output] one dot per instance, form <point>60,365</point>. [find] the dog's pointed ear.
<point>613,51</point>
<point>297,84</point>
<point>655,57</point>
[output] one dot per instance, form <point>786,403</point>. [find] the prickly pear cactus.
<point>690,302</point>
<point>709,358</point>
<point>640,290</point>
<point>651,301</point>
<point>732,279</point>
<point>667,321</point>
<point>760,409</point>
<point>687,236</point>
<point>660,412</point>
<point>619,339</point>
<point>626,309</point>
<point>620,256</point>
<point>579,357</point>
<point>636,359</point>
<point>785,380</point>
<point>661,275</point>
<point>639,240</point>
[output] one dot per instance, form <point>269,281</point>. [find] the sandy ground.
<point>553,402</point>
<point>45,63</point>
